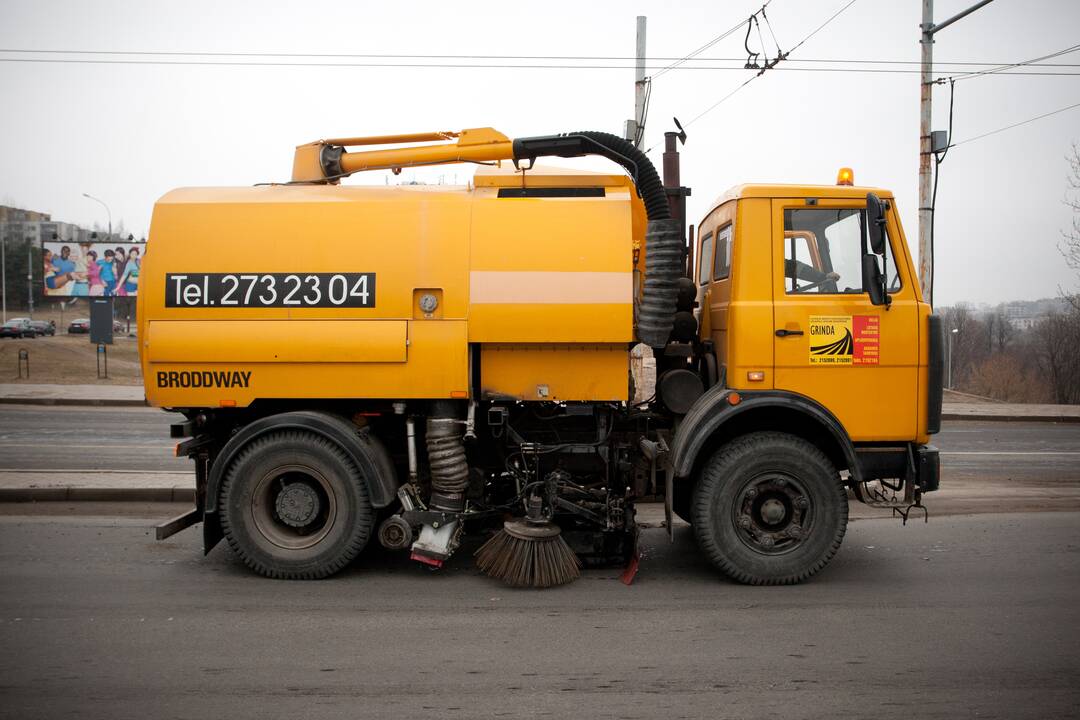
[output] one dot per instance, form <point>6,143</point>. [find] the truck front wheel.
<point>769,509</point>
<point>294,506</point>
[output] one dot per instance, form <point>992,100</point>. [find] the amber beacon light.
<point>846,176</point>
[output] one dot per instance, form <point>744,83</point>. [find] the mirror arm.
<point>885,283</point>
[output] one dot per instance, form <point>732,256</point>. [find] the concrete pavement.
<point>94,395</point>
<point>133,395</point>
<point>1010,412</point>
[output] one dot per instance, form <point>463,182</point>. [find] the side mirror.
<point>873,280</point>
<point>875,221</point>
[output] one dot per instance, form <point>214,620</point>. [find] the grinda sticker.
<point>844,339</point>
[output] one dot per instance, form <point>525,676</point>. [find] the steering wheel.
<point>829,277</point>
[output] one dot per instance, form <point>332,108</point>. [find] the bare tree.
<point>969,344</point>
<point>1056,340</point>
<point>1001,330</point>
<point>1070,244</point>
<point>1010,377</point>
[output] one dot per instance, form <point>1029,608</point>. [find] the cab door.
<point>831,344</point>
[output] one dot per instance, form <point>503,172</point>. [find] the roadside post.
<point>102,362</point>
<point>24,359</point>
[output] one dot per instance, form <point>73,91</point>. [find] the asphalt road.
<point>965,617</point>
<point>79,438</point>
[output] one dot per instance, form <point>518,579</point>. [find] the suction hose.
<point>446,458</point>
<point>663,236</point>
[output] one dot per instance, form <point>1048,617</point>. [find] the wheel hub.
<point>773,513</point>
<point>297,504</point>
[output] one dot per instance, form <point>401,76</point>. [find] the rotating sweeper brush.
<point>530,552</point>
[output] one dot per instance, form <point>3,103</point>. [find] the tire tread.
<point>365,515</point>
<point>716,472</point>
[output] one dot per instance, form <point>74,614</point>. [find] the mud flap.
<point>669,488</point>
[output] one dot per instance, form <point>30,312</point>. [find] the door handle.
<point>783,332</point>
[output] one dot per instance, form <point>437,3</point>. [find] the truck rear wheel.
<point>295,506</point>
<point>769,509</point>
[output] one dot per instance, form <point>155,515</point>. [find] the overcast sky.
<point>128,133</point>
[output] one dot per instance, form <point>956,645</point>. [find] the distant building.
<point>18,226</point>
<point>1024,323</point>
<point>1026,314</point>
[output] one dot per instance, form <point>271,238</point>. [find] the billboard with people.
<point>91,269</point>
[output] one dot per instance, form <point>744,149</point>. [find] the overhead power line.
<point>1015,125</point>
<point>821,26</point>
<point>681,61</point>
<point>657,61</point>
<point>492,66</point>
<point>1010,66</point>
<point>790,64</point>
<point>749,80</point>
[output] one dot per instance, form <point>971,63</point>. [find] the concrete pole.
<point>926,77</point>
<point>640,85</point>
<point>926,268</point>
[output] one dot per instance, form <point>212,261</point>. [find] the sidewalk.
<point>1010,412</point>
<point>132,395</point>
<point>100,395</point>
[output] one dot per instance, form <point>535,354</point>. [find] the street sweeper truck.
<point>435,368</point>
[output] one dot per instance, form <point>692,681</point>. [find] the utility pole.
<point>633,130</point>
<point>926,212</point>
<point>926,96</point>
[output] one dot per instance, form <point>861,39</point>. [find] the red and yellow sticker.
<point>844,339</point>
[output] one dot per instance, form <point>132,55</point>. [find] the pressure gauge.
<point>428,303</point>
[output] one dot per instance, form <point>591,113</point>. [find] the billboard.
<point>91,269</point>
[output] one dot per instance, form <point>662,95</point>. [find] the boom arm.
<point>327,161</point>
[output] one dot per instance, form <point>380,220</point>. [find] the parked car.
<point>119,327</point>
<point>79,326</point>
<point>43,328</point>
<point>17,328</point>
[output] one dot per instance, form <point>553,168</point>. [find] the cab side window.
<point>705,259</point>
<point>823,250</point>
<point>722,264</point>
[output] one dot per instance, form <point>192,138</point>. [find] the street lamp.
<point>30,275</point>
<point>87,195</point>
<point>951,333</point>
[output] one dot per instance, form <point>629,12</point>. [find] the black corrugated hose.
<point>663,237</point>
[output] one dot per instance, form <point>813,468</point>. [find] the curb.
<point>92,402</point>
<point>1013,418</point>
<point>118,402</point>
<point>84,494</point>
